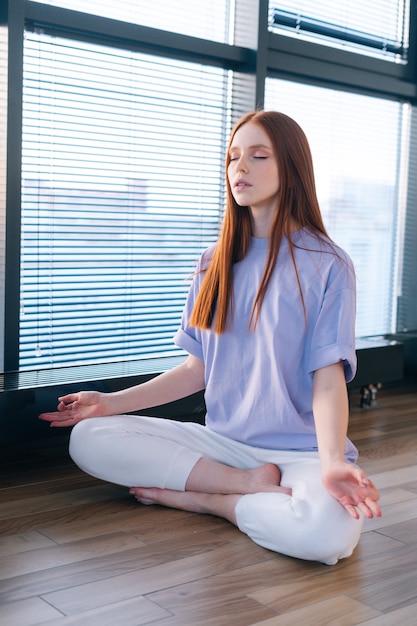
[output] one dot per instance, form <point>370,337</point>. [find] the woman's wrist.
<point>330,463</point>
<point>112,403</point>
<point>123,401</point>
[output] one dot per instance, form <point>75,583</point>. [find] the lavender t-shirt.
<point>259,383</point>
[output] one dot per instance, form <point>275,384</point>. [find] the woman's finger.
<point>352,511</point>
<point>70,397</point>
<point>373,507</point>
<point>67,422</point>
<point>364,508</point>
<point>56,416</point>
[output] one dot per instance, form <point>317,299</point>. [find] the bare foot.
<point>214,488</point>
<point>208,503</point>
<point>264,479</point>
<point>222,481</point>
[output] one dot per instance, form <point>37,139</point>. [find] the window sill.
<point>14,381</point>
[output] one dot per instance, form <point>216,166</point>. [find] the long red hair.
<point>297,205</point>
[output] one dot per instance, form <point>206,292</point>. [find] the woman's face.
<point>253,170</point>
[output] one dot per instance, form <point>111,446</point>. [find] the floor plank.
<point>28,612</point>
<point>338,610</point>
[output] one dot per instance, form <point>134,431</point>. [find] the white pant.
<point>154,452</point>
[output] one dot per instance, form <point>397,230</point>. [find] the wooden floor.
<point>74,550</point>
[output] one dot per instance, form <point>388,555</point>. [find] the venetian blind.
<point>375,27</point>
<point>122,188</point>
<point>356,142</point>
<point>198,18</point>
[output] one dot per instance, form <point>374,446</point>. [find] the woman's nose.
<point>241,165</point>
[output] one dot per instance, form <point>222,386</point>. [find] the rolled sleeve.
<point>333,339</point>
<point>189,337</point>
<point>333,354</point>
<point>189,344</point>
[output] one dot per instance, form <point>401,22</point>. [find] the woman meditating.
<point>269,330</point>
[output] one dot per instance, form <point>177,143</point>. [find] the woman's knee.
<point>299,528</point>
<point>333,535</point>
<point>83,442</point>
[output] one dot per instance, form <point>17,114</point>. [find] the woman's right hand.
<point>76,407</point>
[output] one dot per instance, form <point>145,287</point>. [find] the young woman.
<point>269,331</point>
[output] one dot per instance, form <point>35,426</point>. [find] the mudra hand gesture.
<point>351,487</point>
<point>75,407</point>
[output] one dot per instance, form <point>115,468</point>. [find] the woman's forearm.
<point>331,413</point>
<point>179,382</point>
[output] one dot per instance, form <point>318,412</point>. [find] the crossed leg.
<point>215,488</point>
<point>185,466</point>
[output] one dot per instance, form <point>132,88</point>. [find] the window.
<point>118,182</point>
<point>374,27</point>
<point>122,189</point>
<point>356,145</point>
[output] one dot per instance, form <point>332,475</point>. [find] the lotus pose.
<point>268,327</point>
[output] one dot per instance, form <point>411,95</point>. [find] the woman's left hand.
<point>350,486</point>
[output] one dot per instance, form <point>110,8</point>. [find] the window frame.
<point>309,62</point>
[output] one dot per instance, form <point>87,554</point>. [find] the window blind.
<point>198,18</point>
<point>122,188</point>
<point>356,142</point>
<point>375,27</point>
